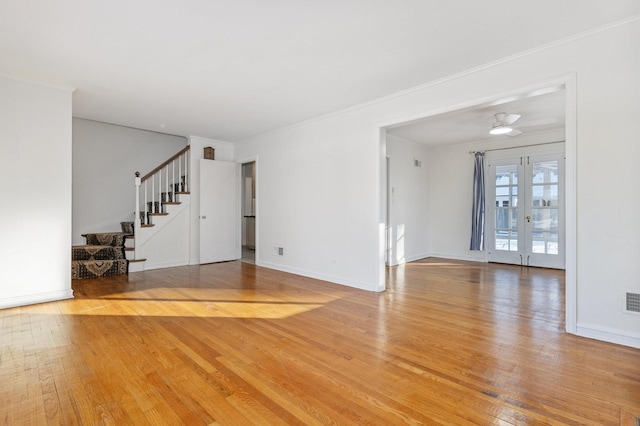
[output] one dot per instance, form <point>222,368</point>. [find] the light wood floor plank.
<point>449,343</point>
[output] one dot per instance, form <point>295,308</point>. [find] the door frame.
<point>569,83</point>
<point>241,161</point>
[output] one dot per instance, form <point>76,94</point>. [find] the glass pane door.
<point>545,230</point>
<point>506,215</point>
<point>503,211</point>
<point>525,210</point>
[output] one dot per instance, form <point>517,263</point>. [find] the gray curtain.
<point>477,220</point>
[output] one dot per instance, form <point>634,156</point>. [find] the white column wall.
<point>320,181</point>
<point>35,218</point>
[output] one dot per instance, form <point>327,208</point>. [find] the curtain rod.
<point>515,147</point>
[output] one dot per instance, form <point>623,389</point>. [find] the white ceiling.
<point>229,69</point>
<point>539,113</point>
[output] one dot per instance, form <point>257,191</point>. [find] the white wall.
<point>223,151</point>
<point>167,243</point>
<point>317,199</point>
<point>450,192</point>
<point>409,200</point>
<point>320,181</point>
<point>35,218</point>
<point>105,159</point>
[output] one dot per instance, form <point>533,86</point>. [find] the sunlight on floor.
<point>195,303</point>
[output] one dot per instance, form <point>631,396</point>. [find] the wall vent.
<point>633,302</point>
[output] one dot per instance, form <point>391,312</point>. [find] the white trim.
<point>570,206</point>
<point>32,299</point>
<point>382,201</point>
<point>148,266</point>
<point>417,257</point>
<point>137,266</point>
<point>244,160</point>
<point>412,259</point>
<point>460,74</point>
<point>607,334</point>
<point>361,285</point>
<point>468,258</point>
<point>494,99</point>
<point>38,82</point>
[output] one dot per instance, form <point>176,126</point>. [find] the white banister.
<point>136,218</point>
<point>179,183</point>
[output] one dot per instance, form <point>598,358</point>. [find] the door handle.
<point>204,217</point>
<point>528,218</point>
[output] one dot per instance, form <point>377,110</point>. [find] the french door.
<point>525,210</point>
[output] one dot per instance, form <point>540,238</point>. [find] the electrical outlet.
<point>280,251</point>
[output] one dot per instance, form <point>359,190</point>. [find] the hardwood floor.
<point>448,343</point>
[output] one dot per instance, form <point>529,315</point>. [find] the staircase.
<point>162,195</point>
<point>102,256</point>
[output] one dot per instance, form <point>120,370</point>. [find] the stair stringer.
<point>166,244</point>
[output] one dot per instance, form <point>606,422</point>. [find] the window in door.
<point>525,210</point>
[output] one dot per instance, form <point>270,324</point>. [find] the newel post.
<point>136,220</point>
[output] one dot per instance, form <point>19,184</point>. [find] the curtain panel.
<point>477,219</point>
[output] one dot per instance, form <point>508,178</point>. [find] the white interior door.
<point>525,210</point>
<point>219,215</point>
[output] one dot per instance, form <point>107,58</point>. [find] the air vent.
<point>633,302</point>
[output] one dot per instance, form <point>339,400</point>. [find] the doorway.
<point>248,211</point>
<point>526,207</point>
<point>442,134</point>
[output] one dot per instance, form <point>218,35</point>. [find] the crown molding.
<point>50,85</point>
<point>469,71</point>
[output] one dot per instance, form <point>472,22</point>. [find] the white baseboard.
<point>137,266</point>
<point>32,299</point>
<point>149,266</point>
<point>411,259</point>
<point>610,335</point>
<point>323,277</point>
<point>469,258</point>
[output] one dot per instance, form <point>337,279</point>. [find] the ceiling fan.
<point>503,124</point>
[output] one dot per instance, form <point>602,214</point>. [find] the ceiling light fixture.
<point>500,129</point>
<point>503,124</point>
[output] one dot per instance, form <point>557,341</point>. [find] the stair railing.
<point>161,185</point>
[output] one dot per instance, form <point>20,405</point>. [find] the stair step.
<point>96,252</point>
<point>146,225</point>
<point>137,260</point>
<point>171,203</point>
<point>158,214</point>
<point>98,268</point>
<point>183,193</point>
<point>115,239</point>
